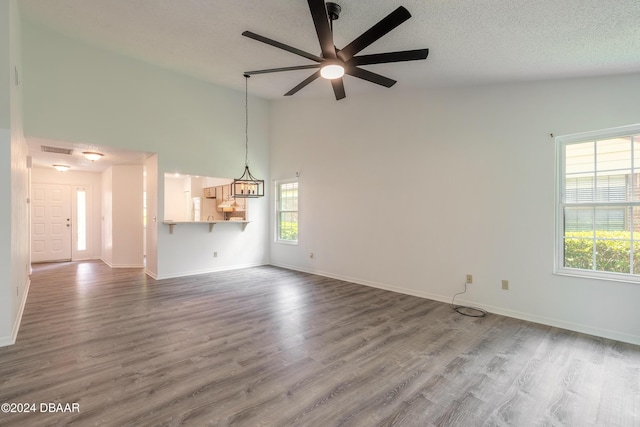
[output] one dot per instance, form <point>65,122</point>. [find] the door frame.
<point>75,255</point>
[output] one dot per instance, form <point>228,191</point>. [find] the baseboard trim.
<point>548,321</point>
<point>111,265</point>
<point>151,274</point>
<point>563,324</point>
<point>5,341</point>
<point>203,271</point>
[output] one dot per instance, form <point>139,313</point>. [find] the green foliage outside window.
<point>612,251</point>
<point>289,231</point>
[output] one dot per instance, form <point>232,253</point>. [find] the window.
<point>287,211</point>
<point>81,221</point>
<point>598,204</point>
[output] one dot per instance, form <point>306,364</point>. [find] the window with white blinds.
<point>287,211</point>
<point>598,204</point>
<point>580,191</point>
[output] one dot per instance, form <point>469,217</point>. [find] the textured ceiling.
<point>77,161</point>
<point>471,41</point>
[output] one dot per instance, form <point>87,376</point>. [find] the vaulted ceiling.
<point>471,42</point>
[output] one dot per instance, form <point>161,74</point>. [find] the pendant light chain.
<point>246,120</point>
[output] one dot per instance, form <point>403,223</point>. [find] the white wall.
<point>14,181</point>
<point>174,209</point>
<point>81,94</point>
<point>122,216</point>
<point>5,69</point>
<point>410,192</point>
<point>107,216</point>
<point>90,180</point>
<point>6,286</point>
<point>127,206</point>
<point>151,187</point>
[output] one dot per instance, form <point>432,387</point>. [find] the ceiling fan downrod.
<point>333,11</point>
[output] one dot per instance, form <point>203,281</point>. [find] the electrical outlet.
<point>215,254</point>
<point>469,279</point>
<point>505,285</point>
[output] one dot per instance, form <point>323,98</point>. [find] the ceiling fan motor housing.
<point>333,10</point>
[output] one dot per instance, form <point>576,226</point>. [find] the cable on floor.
<point>466,310</point>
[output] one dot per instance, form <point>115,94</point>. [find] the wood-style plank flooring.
<point>271,347</point>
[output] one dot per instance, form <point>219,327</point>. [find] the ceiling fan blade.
<point>338,88</point>
<point>381,58</point>
<point>282,46</point>
<point>305,82</point>
<point>277,70</point>
<point>369,76</point>
<point>387,24</point>
<point>323,30</point>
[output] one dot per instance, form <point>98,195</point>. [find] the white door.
<point>51,222</point>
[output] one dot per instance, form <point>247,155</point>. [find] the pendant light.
<point>247,185</point>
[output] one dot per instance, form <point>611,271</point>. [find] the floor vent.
<point>56,150</point>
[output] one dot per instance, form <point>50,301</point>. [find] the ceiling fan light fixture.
<point>62,168</point>
<point>332,71</point>
<point>92,155</point>
<point>333,61</point>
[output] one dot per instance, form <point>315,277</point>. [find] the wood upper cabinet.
<point>237,206</point>
<point>210,192</point>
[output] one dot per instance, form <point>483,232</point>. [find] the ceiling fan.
<point>334,62</point>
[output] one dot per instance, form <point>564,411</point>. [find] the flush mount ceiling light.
<point>332,71</point>
<point>62,168</point>
<point>247,185</point>
<point>92,155</point>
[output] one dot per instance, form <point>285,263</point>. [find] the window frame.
<point>560,204</point>
<point>278,211</point>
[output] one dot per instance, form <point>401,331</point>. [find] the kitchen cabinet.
<point>210,192</point>
<point>230,207</point>
<point>241,204</point>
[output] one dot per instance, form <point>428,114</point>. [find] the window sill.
<point>287,242</point>
<point>598,275</point>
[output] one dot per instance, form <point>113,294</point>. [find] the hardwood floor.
<point>272,347</point>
